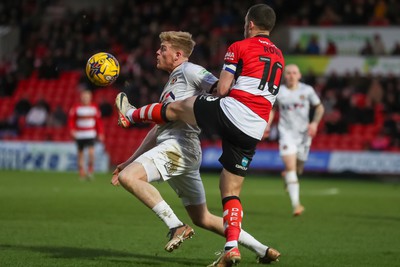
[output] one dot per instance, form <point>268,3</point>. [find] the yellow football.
<point>102,69</point>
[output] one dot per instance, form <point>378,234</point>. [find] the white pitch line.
<point>325,192</point>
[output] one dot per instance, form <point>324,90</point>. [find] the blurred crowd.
<point>55,37</point>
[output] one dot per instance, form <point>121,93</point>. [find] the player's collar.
<point>262,35</point>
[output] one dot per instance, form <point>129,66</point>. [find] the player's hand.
<point>114,179</point>
<point>312,129</point>
<point>266,132</point>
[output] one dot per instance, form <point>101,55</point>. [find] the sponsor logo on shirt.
<point>263,42</point>
<point>229,56</point>
<point>173,80</point>
<point>203,72</point>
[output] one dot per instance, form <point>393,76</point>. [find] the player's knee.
<point>122,178</point>
<point>291,177</point>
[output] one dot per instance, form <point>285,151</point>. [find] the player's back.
<point>258,71</point>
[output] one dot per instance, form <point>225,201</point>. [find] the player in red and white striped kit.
<point>247,88</point>
<point>85,126</point>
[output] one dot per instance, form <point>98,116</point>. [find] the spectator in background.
<point>38,114</point>
<point>331,48</point>
<point>329,100</point>
<point>58,118</point>
<point>380,142</point>
<point>328,17</point>
<point>313,46</point>
<point>297,49</point>
<point>396,49</point>
<point>9,126</point>
<point>85,126</point>
<point>378,47</point>
<point>367,49</point>
<point>379,14</point>
<point>359,111</point>
<point>334,123</point>
<point>374,94</point>
<point>22,106</point>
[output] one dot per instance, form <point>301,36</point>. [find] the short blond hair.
<point>179,41</point>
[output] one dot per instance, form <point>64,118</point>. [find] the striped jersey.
<point>85,120</point>
<point>257,65</point>
<point>294,108</point>
<point>186,80</point>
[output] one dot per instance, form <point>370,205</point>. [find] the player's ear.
<point>251,24</point>
<point>178,55</point>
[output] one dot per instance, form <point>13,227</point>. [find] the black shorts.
<point>83,143</point>
<point>238,148</point>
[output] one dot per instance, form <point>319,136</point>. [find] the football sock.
<point>251,243</point>
<point>232,218</point>
<point>293,187</point>
<point>152,112</point>
<point>81,170</point>
<point>90,168</point>
<point>166,214</point>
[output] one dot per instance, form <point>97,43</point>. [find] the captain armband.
<point>230,68</point>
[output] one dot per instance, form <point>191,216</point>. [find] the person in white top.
<point>171,151</point>
<point>295,129</point>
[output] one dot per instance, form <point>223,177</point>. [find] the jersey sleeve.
<point>201,78</point>
<point>231,58</point>
<point>99,122</point>
<point>313,97</point>
<point>72,118</point>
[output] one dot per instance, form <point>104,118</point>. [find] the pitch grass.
<point>52,219</point>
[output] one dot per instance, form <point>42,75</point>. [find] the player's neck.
<point>293,87</point>
<point>260,33</point>
<point>177,65</point>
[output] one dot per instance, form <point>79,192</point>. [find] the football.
<point>102,69</point>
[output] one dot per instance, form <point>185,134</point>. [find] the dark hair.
<point>263,16</point>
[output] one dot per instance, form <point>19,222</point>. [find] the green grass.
<point>52,219</point>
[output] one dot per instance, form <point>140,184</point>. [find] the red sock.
<point>151,112</point>
<point>233,215</point>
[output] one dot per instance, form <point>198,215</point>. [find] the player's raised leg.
<point>155,112</point>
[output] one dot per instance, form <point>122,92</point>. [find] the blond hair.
<point>179,41</point>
